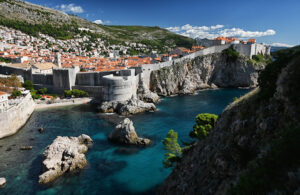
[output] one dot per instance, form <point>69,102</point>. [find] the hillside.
<point>34,19</point>
<point>254,146</point>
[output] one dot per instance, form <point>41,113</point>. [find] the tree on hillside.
<point>173,148</point>
<point>28,85</point>
<point>204,124</point>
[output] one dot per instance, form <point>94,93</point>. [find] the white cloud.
<point>70,8</point>
<point>98,21</point>
<point>211,32</point>
<point>281,45</point>
<point>237,32</point>
<point>102,22</point>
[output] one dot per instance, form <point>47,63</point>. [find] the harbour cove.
<point>112,168</point>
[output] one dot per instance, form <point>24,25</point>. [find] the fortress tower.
<point>57,59</point>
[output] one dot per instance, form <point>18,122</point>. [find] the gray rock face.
<point>65,154</point>
<point>2,182</point>
<point>124,133</point>
<point>145,94</point>
<point>209,71</point>
<point>129,107</point>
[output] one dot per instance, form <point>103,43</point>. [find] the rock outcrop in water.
<point>209,71</point>
<point>124,133</point>
<point>129,107</point>
<point>65,154</point>
<point>254,147</point>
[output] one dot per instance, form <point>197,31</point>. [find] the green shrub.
<point>43,91</point>
<point>204,124</point>
<point>28,85</point>
<point>34,95</point>
<point>173,148</point>
<point>232,54</point>
<point>76,93</point>
<point>16,93</point>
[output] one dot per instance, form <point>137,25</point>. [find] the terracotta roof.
<point>2,93</point>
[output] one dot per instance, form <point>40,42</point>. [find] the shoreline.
<point>70,102</point>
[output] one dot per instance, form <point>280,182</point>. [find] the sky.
<point>274,22</point>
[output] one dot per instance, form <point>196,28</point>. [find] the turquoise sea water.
<point>112,169</point>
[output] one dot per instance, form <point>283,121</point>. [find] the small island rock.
<point>65,154</point>
<point>124,133</point>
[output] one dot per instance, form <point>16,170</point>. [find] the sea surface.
<point>112,169</point>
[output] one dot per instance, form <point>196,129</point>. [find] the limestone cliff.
<point>209,71</point>
<point>254,147</point>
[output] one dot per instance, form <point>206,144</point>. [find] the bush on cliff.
<point>43,91</point>
<point>204,124</point>
<point>269,173</point>
<point>34,95</point>
<point>173,148</point>
<point>16,93</point>
<point>232,54</point>
<point>268,77</point>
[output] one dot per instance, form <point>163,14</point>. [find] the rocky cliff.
<point>254,147</point>
<point>209,71</point>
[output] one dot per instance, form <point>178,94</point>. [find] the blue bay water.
<point>112,169</point>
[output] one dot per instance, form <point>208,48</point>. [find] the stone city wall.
<point>15,117</point>
<point>8,70</point>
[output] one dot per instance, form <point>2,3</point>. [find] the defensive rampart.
<point>15,117</point>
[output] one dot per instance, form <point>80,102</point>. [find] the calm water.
<point>112,169</point>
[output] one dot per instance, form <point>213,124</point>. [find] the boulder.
<point>2,182</point>
<point>65,154</point>
<point>124,133</point>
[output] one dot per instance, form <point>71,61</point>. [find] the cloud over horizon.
<point>212,32</point>
<point>281,45</point>
<point>70,8</point>
<point>99,21</point>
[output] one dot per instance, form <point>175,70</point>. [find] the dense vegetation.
<point>232,54</point>
<point>260,59</point>
<point>268,173</point>
<point>5,60</point>
<point>204,124</point>
<point>267,79</point>
<point>64,31</point>
<point>35,20</point>
<point>9,84</point>
<point>28,85</point>
<point>173,148</point>
<point>75,93</point>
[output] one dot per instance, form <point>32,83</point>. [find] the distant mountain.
<point>34,19</point>
<point>274,48</point>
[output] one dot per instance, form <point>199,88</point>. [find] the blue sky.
<point>269,21</point>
